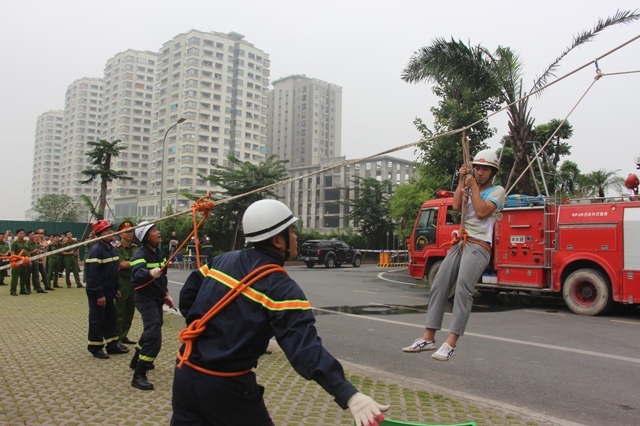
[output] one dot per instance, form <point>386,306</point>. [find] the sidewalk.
<point>49,378</point>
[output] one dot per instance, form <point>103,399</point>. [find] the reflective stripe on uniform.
<point>149,265</point>
<point>107,260</point>
<point>146,358</point>
<point>255,295</point>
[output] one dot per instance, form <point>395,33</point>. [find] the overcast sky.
<point>361,46</point>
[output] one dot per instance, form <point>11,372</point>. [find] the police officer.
<point>53,262</point>
<point>213,382</point>
<point>150,283</point>
<point>34,268</point>
<point>4,251</point>
<point>71,261</point>
<point>102,289</point>
<point>125,307</point>
<point>20,273</point>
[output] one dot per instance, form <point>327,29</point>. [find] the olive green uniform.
<point>125,306</point>
<point>71,264</point>
<point>53,264</point>
<point>4,251</point>
<point>34,269</point>
<point>21,272</point>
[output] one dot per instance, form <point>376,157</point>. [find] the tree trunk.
<point>521,131</point>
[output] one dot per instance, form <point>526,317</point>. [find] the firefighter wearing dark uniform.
<point>102,289</point>
<point>87,249</point>
<point>213,382</point>
<point>150,283</point>
<point>207,249</point>
<point>125,307</point>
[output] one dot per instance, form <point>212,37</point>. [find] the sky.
<point>359,45</point>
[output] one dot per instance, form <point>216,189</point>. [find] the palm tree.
<point>101,155</point>
<point>499,74</point>
<point>598,182</point>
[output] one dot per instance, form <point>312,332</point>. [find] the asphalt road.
<point>526,352</point>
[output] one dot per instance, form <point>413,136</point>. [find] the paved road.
<point>525,353</point>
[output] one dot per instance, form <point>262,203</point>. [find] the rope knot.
<point>14,259</point>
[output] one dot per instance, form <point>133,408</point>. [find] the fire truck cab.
<point>587,250</point>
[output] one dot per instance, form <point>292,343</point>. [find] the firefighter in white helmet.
<point>467,259</point>
<point>213,381</point>
<point>150,283</point>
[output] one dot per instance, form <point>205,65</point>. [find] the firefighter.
<point>102,289</point>
<point>213,382</point>
<point>53,262</point>
<point>207,249</point>
<point>87,248</point>
<point>150,284</point>
<point>125,307</point>
<point>465,261</point>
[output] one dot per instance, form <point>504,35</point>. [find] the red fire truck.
<point>588,250</point>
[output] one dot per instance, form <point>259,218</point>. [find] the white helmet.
<point>266,218</point>
<point>486,157</point>
<point>142,231</point>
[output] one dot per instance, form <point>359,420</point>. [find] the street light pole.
<point>164,139</point>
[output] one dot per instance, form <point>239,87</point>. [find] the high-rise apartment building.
<point>218,83</point>
<point>47,155</point>
<point>318,200</point>
<point>127,114</point>
<point>305,120</point>
<point>82,121</point>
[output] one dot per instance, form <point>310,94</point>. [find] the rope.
<point>17,260</point>
<point>464,237</point>
<point>197,327</point>
<point>388,151</point>
<point>199,206</point>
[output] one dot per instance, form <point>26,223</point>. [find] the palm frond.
<point>621,17</point>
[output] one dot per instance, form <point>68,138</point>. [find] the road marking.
<point>380,275</point>
<point>544,313</point>
<point>627,322</point>
<point>489,337</point>
<point>176,282</point>
<point>362,291</point>
<point>412,297</point>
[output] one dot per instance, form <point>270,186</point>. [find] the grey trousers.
<point>462,269</point>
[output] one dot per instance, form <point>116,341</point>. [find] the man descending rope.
<point>468,257</point>
<point>229,330</point>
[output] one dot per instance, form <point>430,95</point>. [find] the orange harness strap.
<point>465,238</point>
<point>203,207</point>
<point>197,327</point>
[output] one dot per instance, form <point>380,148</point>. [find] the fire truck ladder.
<point>549,240</point>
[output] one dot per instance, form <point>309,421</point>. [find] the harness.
<point>197,327</point>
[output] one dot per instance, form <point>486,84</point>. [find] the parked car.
<point>331,253</point>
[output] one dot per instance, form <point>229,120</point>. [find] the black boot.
<point>140,376</point>
<point>134,361</point>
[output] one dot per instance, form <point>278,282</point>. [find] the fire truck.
<point>588,250</point>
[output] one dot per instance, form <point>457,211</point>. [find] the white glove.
<point>169,301</point>
<point>365,410</point>
<point>156,272</point>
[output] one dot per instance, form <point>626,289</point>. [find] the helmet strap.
<point>285,235</point>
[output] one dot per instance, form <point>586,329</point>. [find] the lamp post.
<point>164,139</point>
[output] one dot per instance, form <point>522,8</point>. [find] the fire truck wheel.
<point>587,292</point>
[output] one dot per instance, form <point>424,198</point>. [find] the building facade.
<point>82,123</point>
<point>305,120</point>
<point>47,155</point>
<point>127,116</point>
<point>314,199</point>
<point>219,84</point>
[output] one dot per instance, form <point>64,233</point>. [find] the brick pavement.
<point>47,377</point>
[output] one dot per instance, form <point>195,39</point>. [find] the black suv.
<point>331,253</point>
